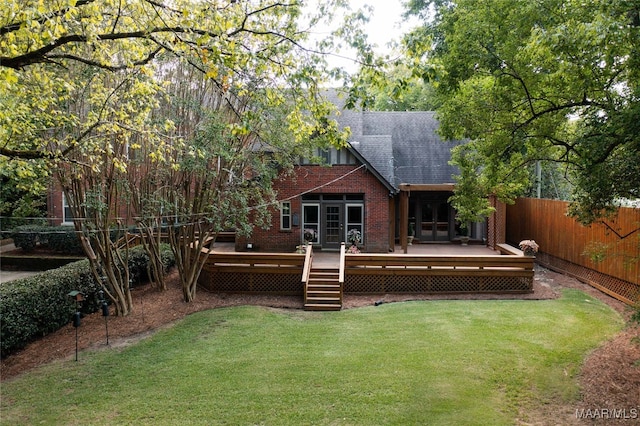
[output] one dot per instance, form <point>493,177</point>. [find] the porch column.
<point>404,219</point>
<point>392,224</point>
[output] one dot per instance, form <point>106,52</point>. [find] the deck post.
<point>404,219</point>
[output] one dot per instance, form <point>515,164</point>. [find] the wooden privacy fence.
<point>387,273</point>
<point>605,254</point>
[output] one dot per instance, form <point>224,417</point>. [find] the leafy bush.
<point>61,239</point>
<point>35,306</point>
<point>139,263</point>
<point>27,237</point>
<point>64,239</point>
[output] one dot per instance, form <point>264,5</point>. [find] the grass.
<point>435,362</point>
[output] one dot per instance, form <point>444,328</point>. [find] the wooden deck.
<point>437,268</point>
<point>331,258</point>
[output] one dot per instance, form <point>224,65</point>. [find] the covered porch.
<point>426,216</point>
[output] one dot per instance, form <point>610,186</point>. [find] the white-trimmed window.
<point>67,214</point>
<point>285,215</point>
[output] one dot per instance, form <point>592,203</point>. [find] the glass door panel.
<point>311,220</point>
<point>442,224</point>
<point>427,227</point>
<point>355,220</point>
<point>435,221</point>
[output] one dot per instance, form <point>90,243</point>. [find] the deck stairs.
<point>323,291</point>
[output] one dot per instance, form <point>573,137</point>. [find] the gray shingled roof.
<point>403,147</point>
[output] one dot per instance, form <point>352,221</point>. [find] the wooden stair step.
<point>323,277</point>
<point>322,293</point>
<point>327,299</point>
<point>323,307</point>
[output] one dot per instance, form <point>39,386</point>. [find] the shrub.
<point>61,239</point>
<point>64,239</point>
<point>27,237</point>
<point>35,306</point>
<point>139,263</point>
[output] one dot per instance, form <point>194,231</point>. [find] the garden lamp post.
<point>105,313</point>
<point>77,297</point>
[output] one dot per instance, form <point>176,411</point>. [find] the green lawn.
<point>432,362</point>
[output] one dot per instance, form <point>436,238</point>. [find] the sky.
<point>386,21</point>
<point>385,24</point>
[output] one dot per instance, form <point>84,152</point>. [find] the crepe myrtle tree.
<point>94,175</point>
<point>79,80</point>
<point>220,179</point>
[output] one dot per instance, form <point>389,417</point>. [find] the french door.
<point>333,226</point>
<point>332,222</point>
<point>435,221</point>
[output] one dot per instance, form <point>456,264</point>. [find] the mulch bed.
<point>610,377</point>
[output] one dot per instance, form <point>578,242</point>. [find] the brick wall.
<point>306,178</point>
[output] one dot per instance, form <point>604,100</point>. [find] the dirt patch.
<point>610,378</point>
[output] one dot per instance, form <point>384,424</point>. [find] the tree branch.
<point>16,25</point>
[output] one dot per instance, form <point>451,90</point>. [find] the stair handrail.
<point>306,269</point>
<point>342,264</point>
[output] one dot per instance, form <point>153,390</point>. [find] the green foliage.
<point>553,181</point>
<point>470,199</point>
<point>552,81</point>
<point>27,237</point>
<point>19,206</point>
<point>403,91</point>
<point>35,306</point>
<point>73,76</point>
<point>64,239</point>
<point>139,263</point>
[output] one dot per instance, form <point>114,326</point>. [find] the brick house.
<point>394,175</point>
<point>393,180</point>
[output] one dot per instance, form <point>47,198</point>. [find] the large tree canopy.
<point>544,80</point>
<point>175,113</point>
<point>49,48</point>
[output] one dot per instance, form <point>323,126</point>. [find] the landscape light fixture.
<point>105,313</point>
<point>77,297</point>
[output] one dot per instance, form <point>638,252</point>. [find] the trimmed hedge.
<point>27,237</point>
<point>35,306</point>
<point>61,239</point>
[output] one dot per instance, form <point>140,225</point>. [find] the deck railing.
<point>341,265</point>
<point>234,272</point>
<point>306,269</point>
<point>388,273</point>
<point>281,273</point>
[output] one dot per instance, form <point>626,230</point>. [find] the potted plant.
<point>412,233</point>
<point>529,247</point>
<point>354,237</point>
<point>464,238</point>
<point>469,211</point>
<point>309,235</point>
